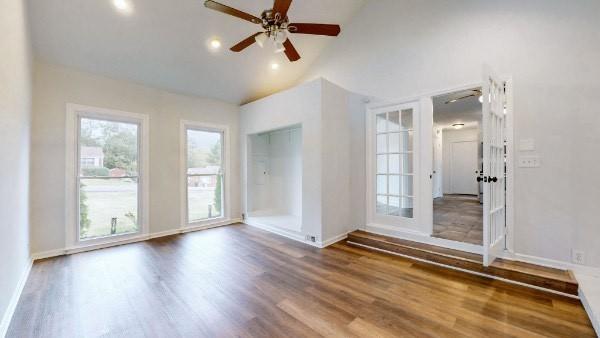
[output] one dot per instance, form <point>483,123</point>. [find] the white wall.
<point>333,141</point>
<point>15,109</point>
<point>297,106</point>
<point>450,136</point>
<point>552,50</point>
<point>281,188</point>
<point>55,86</point>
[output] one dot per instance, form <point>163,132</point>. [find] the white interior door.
<point>494,198</point>
<point>437,163</point>
<point>463,164</point>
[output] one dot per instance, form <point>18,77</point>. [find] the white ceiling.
<point>163,43</point>
<point>467,111</point>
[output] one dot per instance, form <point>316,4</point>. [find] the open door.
<point>494,179</point>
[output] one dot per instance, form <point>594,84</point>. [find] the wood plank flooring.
<point>539,276</point>
<point>458,218</point>
<point>238,281</point>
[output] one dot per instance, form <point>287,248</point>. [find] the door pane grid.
<point>394,156</point>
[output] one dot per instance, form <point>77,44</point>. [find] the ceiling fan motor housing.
<point>272,22</point>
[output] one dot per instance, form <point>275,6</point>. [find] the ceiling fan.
<point>276,26</point>
<point>473,93</point>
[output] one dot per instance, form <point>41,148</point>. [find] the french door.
<point>494,164</point>
<point>393,165</point>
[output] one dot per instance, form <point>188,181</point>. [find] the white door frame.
<point>426,139</point>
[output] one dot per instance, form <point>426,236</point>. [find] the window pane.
<point>406,141</point>
<point>381,207</point>
<point>407,164</point>
<point>382,164</point>
<point>205,199</point>
<point>394,206</point>
<point>407,120</point>
<point>204,152</point>
<point>394,164</point>
<point>381,144</point>
<point>394,145</point>
<point>108,148</point>
<point>381,123</point>
<point>381,184</point>
<point>394,185</point>
<point>394,121</point>
<point>407,186</point>
<point>406,207</point>
<point>107,207</point>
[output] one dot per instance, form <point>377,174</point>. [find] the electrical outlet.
<point>578,257</point>
<point>310,238</point>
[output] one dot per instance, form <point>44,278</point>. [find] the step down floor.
<point>548,278</point>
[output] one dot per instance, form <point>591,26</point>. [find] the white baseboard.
<point>279,231</point>
<point>14,300</point>
<point>140,238</point>
<point>334,239</point>
<point>551,263</point>
<point>589,293</point>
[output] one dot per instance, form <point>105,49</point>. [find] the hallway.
<point>458,218</point>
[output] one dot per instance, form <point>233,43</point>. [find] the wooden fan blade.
<point>245,43</point>
<point>231,11</point>
<point>281,7</point>
<point>314,28</point>
<point>290,51</point>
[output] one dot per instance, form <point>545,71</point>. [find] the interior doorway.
<point>457,163</point>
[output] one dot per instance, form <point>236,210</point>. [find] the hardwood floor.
<point>458,218</point>
<point>241,281</point>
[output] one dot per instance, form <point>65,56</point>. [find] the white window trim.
<point>74,112</point>
<point>396,222</point>
<point>226,158</point>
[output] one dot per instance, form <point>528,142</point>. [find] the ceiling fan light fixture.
<point>260,39</point>
<point>279,47</point>
<point>274,66</point>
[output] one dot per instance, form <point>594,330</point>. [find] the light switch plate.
<point>527,144</point>
<point>529,161</point>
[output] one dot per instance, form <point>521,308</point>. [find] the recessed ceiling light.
<point>458,125</point>
<point>123,6</point>
<point>274,66</point>
<point>215,44</point>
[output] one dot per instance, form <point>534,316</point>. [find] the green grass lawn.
<point>108,198</point>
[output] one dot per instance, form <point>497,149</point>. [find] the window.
<point>108,193</point>
<point>394,175</point>
<point>204,151</point>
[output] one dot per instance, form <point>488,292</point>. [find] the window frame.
<point>75,113</point>
<point>186,125</point>
<point>392,221</point>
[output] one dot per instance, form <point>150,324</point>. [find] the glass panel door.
<point>393,163</point>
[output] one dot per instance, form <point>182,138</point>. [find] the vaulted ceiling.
<point>164,43</point>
